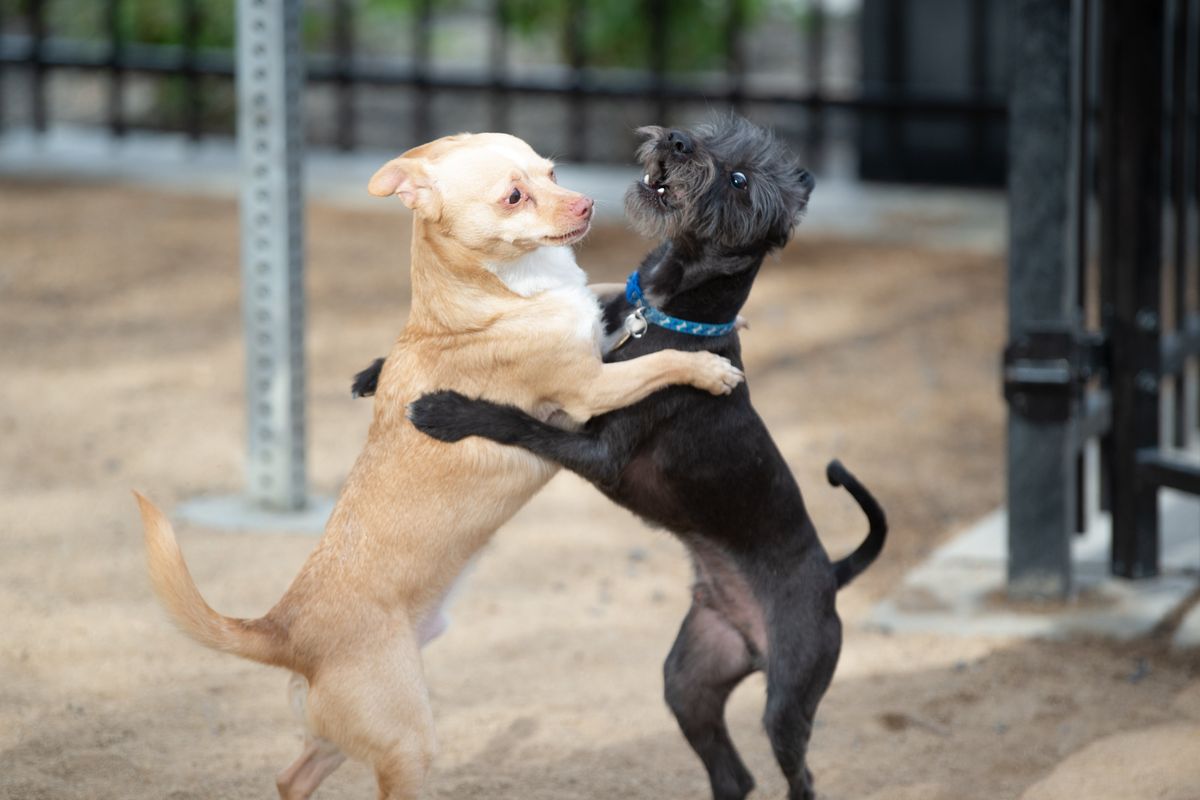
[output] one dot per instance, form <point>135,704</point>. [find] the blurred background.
<point>989,313</point>
<point>908,91</point>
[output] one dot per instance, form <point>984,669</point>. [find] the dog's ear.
<point>807,182</point>
<point>406,178</point>
<point>651,131</point>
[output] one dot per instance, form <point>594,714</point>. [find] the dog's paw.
<point>716,374</point>
<point>440,415</point>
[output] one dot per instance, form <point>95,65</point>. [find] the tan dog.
<point>499,310</point>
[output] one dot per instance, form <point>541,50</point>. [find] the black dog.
<point>703,467</point>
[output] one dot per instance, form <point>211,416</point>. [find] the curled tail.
<point>850,567</point>
<point>256,639</point>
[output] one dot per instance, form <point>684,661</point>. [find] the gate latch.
<point>1046,369</point>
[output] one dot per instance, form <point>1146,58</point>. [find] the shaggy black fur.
<point>705,467</point>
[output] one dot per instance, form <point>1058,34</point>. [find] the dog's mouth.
<point>570,237</point>
<point>654,182</point>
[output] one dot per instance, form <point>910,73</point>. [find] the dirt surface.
<point>122,364</point>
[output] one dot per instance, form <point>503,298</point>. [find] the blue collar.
<point>633,293</point>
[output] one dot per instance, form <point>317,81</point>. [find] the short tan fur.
<point>501,311</point>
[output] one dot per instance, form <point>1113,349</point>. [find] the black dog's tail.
<point>853,565</point>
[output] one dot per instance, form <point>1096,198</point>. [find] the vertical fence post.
<point>498,65</point>
<point>896,57</point>
<point>270,143</point>
<point>979,68</point>
<point>658,47</point>
<point>577,54</point>
<point>3,79</point>
<point>116,68</point>
<point>343,49</point>
<point>1131,248</point>
<point>1192,106</point>
<point>1080,251</point>
<point>421,92</point>
<point>194,113</point>
<point>37,64</point>
<point>814,133</point>
<point>1181,159</point>
<point>1041,291</point>
<point>735,59</point>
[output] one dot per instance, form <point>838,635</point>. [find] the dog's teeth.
<point>662,190</point>
<point>646,179</point>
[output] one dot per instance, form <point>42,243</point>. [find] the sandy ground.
<point>122,366</point>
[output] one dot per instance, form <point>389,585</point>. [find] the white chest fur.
<point>553,270</point>
<point>539,270</point>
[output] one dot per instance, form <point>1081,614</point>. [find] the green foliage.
<point>157,22</point>
<point>616,33</point>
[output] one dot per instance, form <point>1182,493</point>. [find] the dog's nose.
<point>582,207</point>
<point>680,142</point>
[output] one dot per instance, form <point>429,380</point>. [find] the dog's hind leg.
<point>709,658</point>
<point>805,639</point>
<point>319,758</point>
<point>374,704</point>
<point>318,761</point>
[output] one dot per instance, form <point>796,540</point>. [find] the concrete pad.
<point>237,513</point>
<point>1158,762</point>
<point>960,588</point>
<point>1187,635</point>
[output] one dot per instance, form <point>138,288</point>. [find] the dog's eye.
<point>738,179</point>
<point>514,198</point>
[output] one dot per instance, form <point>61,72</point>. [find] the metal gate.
<point>1104,310</point>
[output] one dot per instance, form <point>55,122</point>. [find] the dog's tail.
<point>256,639</point>
<point>850,567</point>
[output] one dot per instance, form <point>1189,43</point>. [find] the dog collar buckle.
<point>635,324</point>
<point>635,328</point>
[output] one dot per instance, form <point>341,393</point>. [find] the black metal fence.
<point>1104,277</point>
<point>809,108</point>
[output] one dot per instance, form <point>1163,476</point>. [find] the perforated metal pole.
<point>270,141</point>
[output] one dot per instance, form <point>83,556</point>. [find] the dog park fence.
<point>897,107</point>
<point>1104,314</point>
<point>917,84</point>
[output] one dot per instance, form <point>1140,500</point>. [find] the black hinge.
<point>1046,368</point>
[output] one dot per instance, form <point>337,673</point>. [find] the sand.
<point>122,366</point>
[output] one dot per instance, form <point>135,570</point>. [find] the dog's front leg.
<point>624,383</point>
<point>598,454</point>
